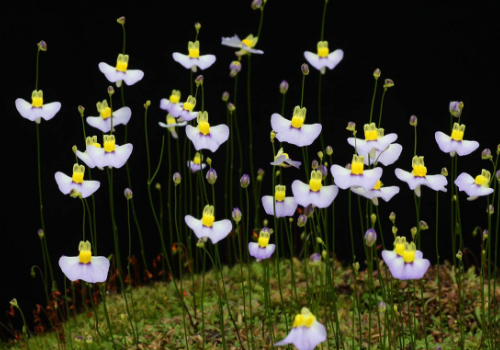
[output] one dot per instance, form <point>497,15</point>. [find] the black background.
<point>434,52</point>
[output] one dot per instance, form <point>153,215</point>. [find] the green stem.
<point>381,108</point>
<point>373,101</point>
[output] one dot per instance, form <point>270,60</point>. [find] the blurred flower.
<point>205,136</point>
<point>356,176</point>
<point>370,237</point>
<point>295,131</point>
<point>480,186</point>
<point>173,100</point>
<point>282,159</point>
<point>284,87</point>
<point>419,177</point>
<point>285,206</point>
<point>177,178</point>
<point>172,124</point>
<point>262,249</point>
<point>76,182</point>
<point>324,58</point>
<point>405,262</point>
<point>211,176</point>
<point>455,143</point>
<point>456,108</point>
<point>235,68</point>
<point>236,215</point>
<point>314,192</point>
<point>378,191</point>
<point>378,146</point>
<point>184,110</point>
<point>121,72</point>
<point>306,333</point>
<point>245,181</point>
<point>111,154</point>
<point>103,121</point>
<point>246,45</point>
<point>196,163</point>
<point>193,58</point>
<point>36,109</point>
<point>208,227</point>
<point>85,267</point>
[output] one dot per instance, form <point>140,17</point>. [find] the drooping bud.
<point>302,220</point>
<point>209,161</point>
<point>305,69</point>
<point>377,73</point>
<point>121,20</point>
<point>498,149</point>
<point>455,109</point>
<point>211,176</point>
<point>42,46</point>
<point>231,107</point>
<point>177,178</point>
<point>14,303</point>
<point>388,83</point>
<point>324,170</point>
<point>319,240</point>
<point>245,181</point>
<point>394,230</point>
<point>147,104</point>
<point>199,80</point>
<point>235,68</point>
<point>351,126</point>
<point>486,154</point>
<point>111,90</point>
<point>260,174</point>
<point>128,193</point>
<point>236,215</point>
<point>373,218</point>
<point>314,164</point>
<point>413,120</point>
<point>444,171</point>
<point>459,255</point>
<point>370,237</point>
<point>309,210</point>
<point>225,96</point>
<point>423,225</point>
<point>414,232</point>
<point>392,217</point>
<point>329,150</point>
<point>264,223</point>
<point>197,26</point>
<point>284,87</point>
<point>81,110</point>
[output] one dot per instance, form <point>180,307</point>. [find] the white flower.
<point>285,206</point>
<point>306,333</point>
<point>85,267</point>
<point>76,182</point>
<point>121,72</point>
<point>295,131</point>
<point>110,154</point>
<point>103,122</point>
<point>314,193</point>
<point>356,176</point>
<point>324,58</point>
<point>480,186</point>
<point>208,227</point>
<point>37,109</point>
<point>205,136</point>
<point>419,177</point>
<point>455,143</point>
<point>193,59</point>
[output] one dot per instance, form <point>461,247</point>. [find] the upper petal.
<point>206,61</point>
<point>233,41</point>
<point>220,230</point>
<point>49,110</point>
<point>121,116</point>
<point>110,72</point>
<point>89,187</point>
<point>466,147</point>
<point>315,61</point>
<point>185,60</point>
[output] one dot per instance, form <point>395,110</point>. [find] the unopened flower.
<point>323,58</point>
<point>486,154</point>
<point>37,110</point>
<point>329,150</point>
<point>474,187</point>
<point>284,87</point>
<point>208,227</point>
<point>285,206</point>
<point>245,181</point>
<point>306,333</point>
<point>282,159</point>
<point>204,136</point>
<point>263,249</point>
<point>76,182</point>
<point>121,72</point>
<point>302,220</point>
<point>455,109</point>
<point>295,131</point>
<point>234,68</point>
<point>455,143</point>
<point>106,115</point>
<point>85,267</point>
<point>314,192</point>
<point>246,45</point>
<point>128,193</point>
<point>177,178</point>
<point>225,96</point>
<point>405,262</point>
<point>193,58</point>
<point>236,215</point>
<point>370,237</point>
<point>211,176</point>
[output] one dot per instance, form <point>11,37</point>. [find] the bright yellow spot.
<point>298,321</point>
<point>122,63</point>
<point>247,43</point>
<point>357,165</point>
<point>399,245</point>
<point>194,49</point>
<point>280,195</point>
<point>208,220</point>
<point>263,242</point>
<point>197,159</point>
<point>97,145</point>
<point>305,318</point>
<point>480,180</point>
<point>297,122</point>
<point>308,320</point>
<point>85,252</point>
<point>204,127</point>
<point>105,113</point>
<point>78,172</point>
<point>315,185</point>
<point>37,99</point>
<point>175,97</point>
<point>171,119</point>
<point>188,106</point>
<point>299,116</point>
<point>109,143</point>
<point>409,253</point>
<point>377,185</point>
<point>457,133</point>
<point>371,132</point>
<point>323,50</point>
<point>419,170</point>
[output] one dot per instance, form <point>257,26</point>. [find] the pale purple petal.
<point>415,270</point>
<point>295,334</point>
<point>324,197</point>
<point>233,41</point>
<point>436,182</point>
<point>25,109</point>
<point>165,103</point>
<point>406,176</point>
<point>100,269</point>
<point>314,60</point>
<point>388,192</point>
<point>387,157</point>
<point>84,157</point>
<point>466,147</point>
<point>89,187</point>
<point>418,254</point>
<point>132,76</point>
<point>121,116</point>
<point>194,224</point>
<point>334,58</point>
<point>279,160</point>
<point>97,155</point>
<point>246,48</point>
<point>188,115</point>
<point>253,250</point>
<point>122,154</point>
<point>464,181</point>
<point>267,204</point>
<point>64,182</point>
<point>101,124</point>
<point>269,250</point>
<point>176,109</point>
<point>294,163</point>
<point>396,267</point>
<point>110,72</point>
<point>341,176</point>
<point>93,272</point>
<point>49,110</point>
<point>389,255</point>
<point>301,192</point>
<point>304,136</point>
<point>261,253</point>
<point>220,230</point>
<point>283,209</point>
<point>444,142</point>
<point>195,167</point>
<point>185,60</point>
<point>206,61</point>
<point>280,124</point>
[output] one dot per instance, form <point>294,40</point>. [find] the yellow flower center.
<point>194,53</point>
<point>303,320</point>
<point>419,170</point>
<point>357,168</point>
<point>77,177</point>
<point>37,102</point>
<point>297,121</point>
<point>323,52</point>
<point>315,185</point>
<point>188,106</point>
<point>97,145</point>
<point>371,135</point>
<point>208,220</point>
<point>377,185</point>
<point>121,66</point>
<point>457,135</point>
<point>247,42</point>
<point>400,249</point>
<point>174,98</point>
<point>105,113</point>
<point>109,143</point>
<point>171,120</point>
<point>263,242</point>
<point>480,180</point>
<point>409,256</point>
<point>85,253</point>
<point>280,195</point>
<point>197,159</point>
<point>204,127</point>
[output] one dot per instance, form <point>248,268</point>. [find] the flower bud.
<point>128,193</point>
<point>231,107</point>
<point>305,69</point>
<point>314,164</point>
<point>414,232</point>
<point>260,174</point>
<point>319,240</point>
<point>459,255</point>
<point>121,20</point>
<point>498,149</point>
<point>498,175</point>
<point>147,104</point>
<point>315,259</point>
<point>264,224</point>
<point>272,136</point>
<point>74,149</point>
<point>302,236</point>
<point>197,26</point>
<point>177,178</point>
<point>444,171</point>
<point>413,120</point>
<point>236,215</point>
<point>79,339</point>
<point>235,68</point>
<point>388,83</point>
<point>370,237</point>
<point>81,109</point>
<point>199,80</point>
<point>211,176</point>
<point>485,235</point>
<point>158,186</point>
<point>377,73</point>
<point>200,243</point>
<point>32,272</point>
<point>245,181</point>
<point>284,87</point>
<point>355,266</point>
<point>111,90</point>
<point>394,230</point>
<point>302,220</point>
<point>491,209</point>
<point>40,233</point>
<point>324,254</point>
<point>14,303</point>
<point>88,340</point>
<point>351,126</point>
<point>454,108</point>
<point>486,154</point>
<point>373,219</point>
<point>75,194</point>
<point>392,217</point>
<point>423,225</point>
<point>256,4</point>
<point>209,161</point>
<point>324,171</point>
<point>329,150</point>
<point>381,307</point>
<point>225,96</point>
<point>309,210</point>
<point>42,46</point>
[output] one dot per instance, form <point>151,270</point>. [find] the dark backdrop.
<point>435,53</point>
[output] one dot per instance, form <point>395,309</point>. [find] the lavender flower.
<point>324,58</point>
<point>295,131</point>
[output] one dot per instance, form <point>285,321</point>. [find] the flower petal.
<point>220,230</point>
<point>280,124</point>
<point>233,41</point>
<point>132,76</point>
<point>93,272</point>
<point>334,58</point>
<point>194,224</point>
<point>388,156</point>
<point>84,157</point>
<point>89,187</point>
<point>25,109</point>
<point>185,60</point>
<point>101,124</point>
<point>444,142</point>
<point>415,270</point>
<point>49,110</point>
<point>206,61</point>
<point>122,116</point>
<point>64,182</point>
<point>110,72</point>
<point>325,196</point>
<point>466,147</point>
<point>301,193</point>
<point>253,250</point>
<point>295,334</point>
<point>314,60</point>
